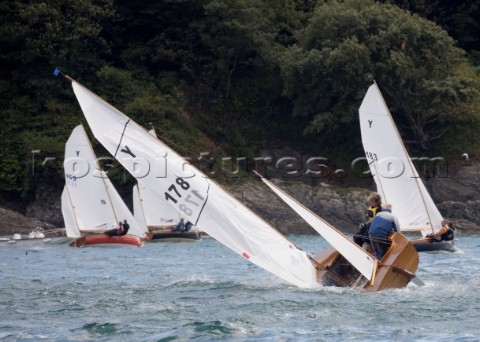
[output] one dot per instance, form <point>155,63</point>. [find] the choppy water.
<point>202,291</point>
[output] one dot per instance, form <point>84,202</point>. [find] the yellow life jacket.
<point>374,210</point>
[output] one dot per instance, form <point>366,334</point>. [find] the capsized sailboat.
<point>90,204</point>
<point>397,179</point>
<point>345,263</point>
<point>191,194</point>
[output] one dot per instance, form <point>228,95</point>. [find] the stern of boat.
<point>397,267</point>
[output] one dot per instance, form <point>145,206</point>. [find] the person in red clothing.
<point>116,231</point>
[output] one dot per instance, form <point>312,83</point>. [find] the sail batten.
<point>187,191</point>
<point>397,179</point>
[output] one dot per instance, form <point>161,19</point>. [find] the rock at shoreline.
<point>344,208</point>
<point>12,222</point>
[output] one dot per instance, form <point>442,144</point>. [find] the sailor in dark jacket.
<point>126,227</point>
<point>382,225</point>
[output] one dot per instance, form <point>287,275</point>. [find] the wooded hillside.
<point>233,77</point>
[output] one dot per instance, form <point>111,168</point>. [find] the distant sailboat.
<point>158,215</point>
<point>191,193</point>
<point>90,203</point>
<point>154,213</point>
<point>397,180</point>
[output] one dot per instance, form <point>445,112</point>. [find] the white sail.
<point>96,204</point>
<point>397,180</point>
<point>156,210</point>
<point>358,257</point>
<point>122,211</point>
<point>138,207</point>
<point>191,194</point>
<point>71,227</point>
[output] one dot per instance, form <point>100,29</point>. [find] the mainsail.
<point>156,212</point>
<point>191,194</point>
<point>89,196</point>
<point>397,180</point>
<point>358,257</point>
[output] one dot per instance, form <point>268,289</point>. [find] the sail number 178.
<point>175,192</point>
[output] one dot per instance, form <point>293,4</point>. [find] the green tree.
<point>458,18</point>
<point>426,79</point>
<point>36,112</point>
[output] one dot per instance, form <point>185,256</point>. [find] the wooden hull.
<point>105,240</point>
<point>427,245</point>
<point>395,270</point>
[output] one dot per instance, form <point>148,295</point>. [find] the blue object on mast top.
<point>57,72</point>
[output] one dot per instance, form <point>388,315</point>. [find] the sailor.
<point>179,226</point>
<point>116,231</point>
<point>361,237</point>
<point>375,203</point>
<point>126,227</point>
<point>445,233</point>
<point>187,227</point>
<point>383,224</point>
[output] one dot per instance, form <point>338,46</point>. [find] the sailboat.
<point>396,178</point>
<point>90,204</point>
<point>158,216</point>
<point>202,201</point>
<point>347,264</point>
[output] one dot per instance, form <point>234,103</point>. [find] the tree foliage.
<point>347,44</point>
<point>232,75</point>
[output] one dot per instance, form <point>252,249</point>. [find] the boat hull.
<point>395,270</point>
<point>165,236</point>
<point>105,240</point>
<point>427,245</point>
